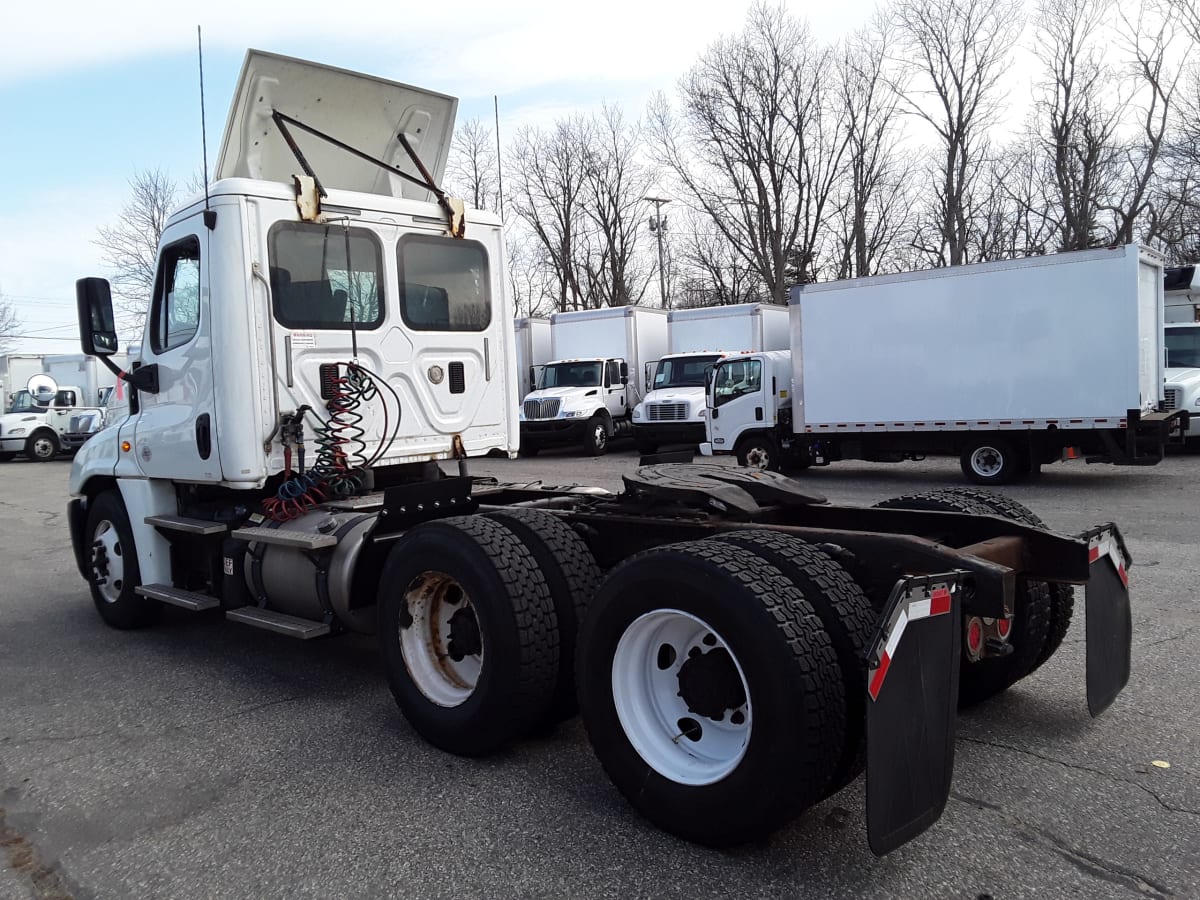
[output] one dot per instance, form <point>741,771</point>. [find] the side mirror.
<point>97,328</point>
<point>624,372</point>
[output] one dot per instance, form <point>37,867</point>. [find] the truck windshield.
<point>1183,348</point>
<point>683,371</point>
<point>580,374</point>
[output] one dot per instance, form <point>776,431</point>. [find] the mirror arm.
<point>143,378</point>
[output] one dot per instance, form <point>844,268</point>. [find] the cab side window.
<point>175,311</point>
<point>612,374</point>
<point>734,379</point>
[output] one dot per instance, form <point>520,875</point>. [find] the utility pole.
<point>658,225</point>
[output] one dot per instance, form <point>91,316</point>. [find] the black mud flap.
<point>912,702</point>
<point>1109,620</point>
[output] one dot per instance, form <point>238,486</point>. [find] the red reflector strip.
<point>877,678</point>
<point>1093,553</point>
<point>939,602</point>
<point>1124,575</point>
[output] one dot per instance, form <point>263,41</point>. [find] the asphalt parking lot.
<point>205,759</point>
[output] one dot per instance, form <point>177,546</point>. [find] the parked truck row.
<point>328,327</point>
<point>1007,365</point>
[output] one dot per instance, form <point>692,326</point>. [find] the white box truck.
<point>18,368</point>
<point>93,380</point>
<point>674,412</point>
<point>729,671</point>
<point>1181,389</point>
<point>586,394</point>
<point>1007,365</point>
<point>533,351</point>
<point>1182,294</point>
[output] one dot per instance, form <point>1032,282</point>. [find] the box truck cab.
<point>674,411</point>
<point>587,393</point>
<point>46,419</point>
<point>1182,358</point>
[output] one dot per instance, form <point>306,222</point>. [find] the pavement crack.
<point>1191,629</point>
<point>1088,863</point>
<point>1183,810</point>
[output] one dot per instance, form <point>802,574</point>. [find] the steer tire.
<point>595,436</point>
<point>112,565</point>
<point>758,764</point>
<point>1062,596</point>
<point>571,575</point>
<point>758,451</point>
<point>479,568</point>
<point>529,449</point>
<point>982,680</point>
<point>848,617</point>
<point>42,446</point>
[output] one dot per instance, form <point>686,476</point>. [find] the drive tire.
<point>848,617</point>
<point>758,451</point>
<point>572,577</point>
<point>1062,596</point>
<point>595,437</point>
<point>112,563</point>
<point>477,567</point>
<point>989,461</point>
<point>42,446</point>
<point>645,447</point>
<point>753,775</point>
<point>982,680</point>
<point>7,456</point>
<point>529,449</point>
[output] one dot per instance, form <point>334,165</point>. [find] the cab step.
<point>299,539</point>
<point>281,623</point>
<point>190,600</point>
<point>185,525</point>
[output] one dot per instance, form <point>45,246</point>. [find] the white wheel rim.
<point>43,448</point>
<point>987,461</point>
<point>601,436</point>
<point>433,599</point>
<point>106,541</point>
<point>656,719</point>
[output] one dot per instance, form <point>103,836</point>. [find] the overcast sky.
<point>92,93</point>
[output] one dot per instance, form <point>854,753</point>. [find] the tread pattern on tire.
<point>817,682</point>
<point>572,577</point>
<point>848,617</point>
<point>1062,596</point>
<point>980,681</point>
<point>533,613</point>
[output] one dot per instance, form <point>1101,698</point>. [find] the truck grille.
<point>666,412</point>
<point>1171,398</point>
<point>542,409</point>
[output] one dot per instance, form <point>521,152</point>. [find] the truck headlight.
<point>573,413</point>
<point>638,412</point>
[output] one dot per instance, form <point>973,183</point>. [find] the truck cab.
<point>46,420</point>
<point>674,411</point>
<point>1182,384</point>
<point>577,401</point>
<point>750,409</point>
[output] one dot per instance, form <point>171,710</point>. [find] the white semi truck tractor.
<point>329,330</point>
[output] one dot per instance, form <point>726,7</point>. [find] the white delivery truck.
<point>586,394</point>
<point>47,419</point>
<point>323,333</point>
<point>674,412</point>
<point>93,380</point>
<point>1182,387</point>
<point>1007,365</point>
<point>15,371</point>
<point>533,352</point>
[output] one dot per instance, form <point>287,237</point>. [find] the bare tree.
<point>617,184</point>
<point>758,143</point>
<point>472,167</point>
<point>130,246</point>
<point>957,52</point>
<point>713,272</point>
<point>1149,37</point>
<point>10,324</point>
<point>872,216</point>
<point>1081,113</point>
<point>550,174</point>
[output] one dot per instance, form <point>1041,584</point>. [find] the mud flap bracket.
<point>912,701</point>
